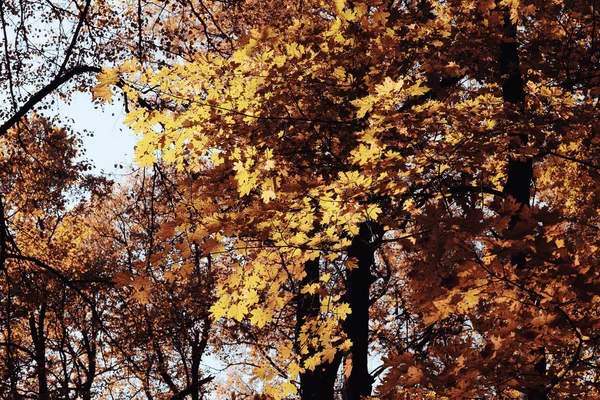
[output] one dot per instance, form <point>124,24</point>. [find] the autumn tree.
<point>328,186</point>
<point>58,278</point>
<point>160,323</point>
<point>424,139</point>
<point>49,317</point>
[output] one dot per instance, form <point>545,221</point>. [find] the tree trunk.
<point>320,383</point>
<point>39,343</point>
<point>359,281</point>
<point>520,170</point>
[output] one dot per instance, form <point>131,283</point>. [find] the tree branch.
<point>69,51</point>
<point>43,92</point>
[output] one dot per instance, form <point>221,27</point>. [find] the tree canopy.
<point>330,200</point>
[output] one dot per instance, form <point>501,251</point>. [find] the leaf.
<point>348,367</point>
<point>123,279</point>
<point>329,354</point>
<point>343,310</point>
<point>237,311</point>
<point>212,245</point>
<point>417,90</point>
<point>288,388</point>
<point>312,362</point>
<point>102,93</point>
<point>260,317</point>
<point>351,263</point>
<point>364,105</point>
<point>339,6</point>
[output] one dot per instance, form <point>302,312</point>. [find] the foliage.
<point>322,187</point>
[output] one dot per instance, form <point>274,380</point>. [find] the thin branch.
<point>69,51</point>
<point>582,162</point>
<point>7,55</point>
<point>43,92</point>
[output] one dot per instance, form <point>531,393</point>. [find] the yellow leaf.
<point>388,86</point>
<point>268,195</point>
<point>312,362</point>
<point>373,212</point>
<point>237,311</point>
<point>339,6</point>
<point>364,105</point>
<point>329,354</point>
<point>293,370</point>
<point>342,311</point>
<point>219,309</point>
<point>489,123</point>
<point>108,76</point>
<point>417,89</point>
<point>260,317</point>
<point>346,345</point>
<point>288,388</point>
<point>102,93</point>
<point>310,288</point>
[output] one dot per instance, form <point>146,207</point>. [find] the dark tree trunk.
<point>520,170</point>
<point>359,281</point>
<point>320,383</point>
<point>91,351</point>
<point>39,343</point>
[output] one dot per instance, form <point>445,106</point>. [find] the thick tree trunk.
<point>359,281</point>
<point>320,383</point>
<point>520,170</point>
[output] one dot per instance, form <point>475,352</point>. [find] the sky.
<point>112,142</point>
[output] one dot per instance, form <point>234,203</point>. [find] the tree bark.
<point>520,170</point>
<point>358,286</point>
<point>320,383</point>
<point>39,343</point>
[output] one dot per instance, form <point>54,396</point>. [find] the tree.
<point>160,321</point>
<point>372,136</point>
<point>340,200</point>
<point>49,338</point>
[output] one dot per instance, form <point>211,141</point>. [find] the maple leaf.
<point>211,245</point>
<point>102,93</point>
<point>237,311</point>
<point>311,362</point>
<point>339,6</point>
<point>142,296</point>
<point>417,90</point>
<point>329,354</point>
<point>288,388</point>
<point>260,317</point>
<point>413,375</point>
<point>351,263</point>
<point>268,195</point>
<point>348,367</point>
<point>123,279</point>
<point>342,311</point>
<point>364,105</point>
